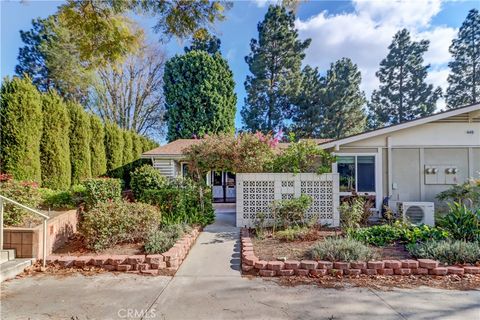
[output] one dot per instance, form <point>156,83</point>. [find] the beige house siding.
<point>441,144</point>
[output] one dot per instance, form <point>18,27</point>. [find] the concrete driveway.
<point>208,285</point>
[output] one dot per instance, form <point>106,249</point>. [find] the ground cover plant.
<point>342,249</point>
<point>449,251</point>
<point>161,239</point>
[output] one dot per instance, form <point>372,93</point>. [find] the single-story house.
<point>411,161</point>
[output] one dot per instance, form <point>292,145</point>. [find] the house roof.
<point>404,125</point>
<point>175,148</point>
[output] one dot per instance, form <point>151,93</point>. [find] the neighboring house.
<point>411,161</point>
<point>171,162</point>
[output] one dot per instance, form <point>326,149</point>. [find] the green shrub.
<point>379,235</point>
<point>97,147</point>
<point>102,190</point>
<point>57,199</point>
<point>55,148</point>
<point>292,233</point>
<point>80,137</point>
<point>137,146</point>
<point>182,201</point>
<point>342,249</point>
<point>355,212</point>
<point>450,252</point>
<point>286,212</point>
<point>111,223</point>
<point>423,233</point>
<point>24,192</point>
<point>20,129</point>
<point>145,178</point>
<point>462,223</point>
<point>160,240</point>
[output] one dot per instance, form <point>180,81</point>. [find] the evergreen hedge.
<point>20,129</point>
<point>114,147</point>
<point>44,139</point>
<point>128,147</point>
<point>54,146</point>
<point>97,147</point>
<point>80,137</point>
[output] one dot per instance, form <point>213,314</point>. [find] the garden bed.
<point>270,248</point>
<point>280,266</point>
<point>124,258</point>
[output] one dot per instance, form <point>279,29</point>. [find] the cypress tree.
<point>464,78</point>
<point>97,147</point>
<point>137,146</point>
<point>54,146</point>
<point>113,146</point>
<point>199,95</point>
<point>80,138</point>
<point>403,94</point>
<point>127,147</point>
<point>275,63</point>
<point>20,129</point>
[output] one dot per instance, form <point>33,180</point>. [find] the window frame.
<point>376,178</point>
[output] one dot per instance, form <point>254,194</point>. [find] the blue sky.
<point>360,30</point>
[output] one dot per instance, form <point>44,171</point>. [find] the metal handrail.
<point>44,216</point>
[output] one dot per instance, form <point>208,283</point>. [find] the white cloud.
<point>364,35</point>
<point>263,3</point>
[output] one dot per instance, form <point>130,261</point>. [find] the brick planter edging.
<point>251,263</point>
<point>147,264</point>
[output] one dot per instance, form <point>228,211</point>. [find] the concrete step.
<point>10,269</point>
<point>7,255</point>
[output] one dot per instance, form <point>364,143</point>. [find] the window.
<point>185,170</point>
<point>217,178</point>
<point>357,174</point>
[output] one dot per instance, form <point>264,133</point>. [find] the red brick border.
<point>251,263</point>
<point>148,264</point>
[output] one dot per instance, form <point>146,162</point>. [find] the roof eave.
<point>401,126</point>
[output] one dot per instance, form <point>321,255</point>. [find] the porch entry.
<point>223,186</point>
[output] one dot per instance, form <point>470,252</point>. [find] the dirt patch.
<point>450,282</point>
<point>76,247</point>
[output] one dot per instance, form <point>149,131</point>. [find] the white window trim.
<point>378,175</point>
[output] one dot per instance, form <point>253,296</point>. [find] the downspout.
<point>389,166</point>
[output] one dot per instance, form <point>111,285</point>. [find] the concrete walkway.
<point>208,285</point>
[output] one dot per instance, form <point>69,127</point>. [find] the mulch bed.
<point>450,282</point>
<point>75,246</point>
<point>270,248</point>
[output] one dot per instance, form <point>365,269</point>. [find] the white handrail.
<point>44,216</point>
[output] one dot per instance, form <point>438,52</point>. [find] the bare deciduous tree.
<point>131,94</point>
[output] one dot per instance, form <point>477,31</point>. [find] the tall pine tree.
<point>343,100</point>
<point>464,78</point>
<point>308,111</point>
<point>403,94</point>
<point>205,42</point>
<point>275,63</point>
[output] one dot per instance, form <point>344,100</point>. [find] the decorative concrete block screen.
<point>257,191</point>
